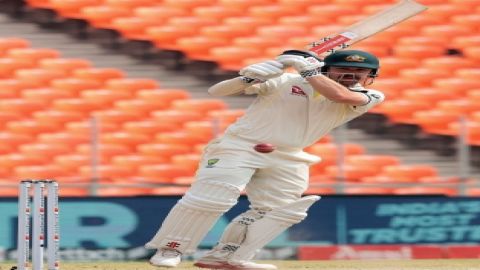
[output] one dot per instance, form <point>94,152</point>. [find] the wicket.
<point>38,224</point>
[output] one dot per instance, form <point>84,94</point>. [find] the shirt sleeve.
<point>265,88</point>
<point>374,97</point>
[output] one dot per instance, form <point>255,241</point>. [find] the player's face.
<point>349,76</point>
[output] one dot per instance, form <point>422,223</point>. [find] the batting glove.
<point>306,63</point>
<point>261,72</point>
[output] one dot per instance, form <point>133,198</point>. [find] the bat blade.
<point>367,27</point>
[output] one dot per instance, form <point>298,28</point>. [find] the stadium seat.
<point>332,11</point>
<point>459,106</point>
<point>227,32</point>
<point>45,149</point>
<point>303,21</point>
<point>64,138</point>
<point>271,11</point>
<point>401,110</point>
<point>169,191</point>
<point>201,106</point>
<point>423,76</point>
<point>71,8</point>
<point>12,161</point>
<point>189,162</point>
<point>410,172</point>
<point>149,127</point>
<point>141,107</point>
<point>73,162</point>
<point>32,55</point>
<point>135,161</point>
<point>85,127</point>
<point>176,116</point>
<point>232,57</point>
<point>38,77</point>
<point>162,173</point>
<point>227,116</point>
<point>446,31</point>
<point>123,191</point>
<point>182,137</point>
<point>433,120</point>
<point>467,20</point>
<point>418,51</point>
<point>165,36</point>
<point>248,21</point>
<point>377,161</point>
<point>218,12</point>
<point>129,4</point>
<point>124,138</point>
<point>102,16</point>
<point>456,85</point>
<point>198,47</point>
<point>350,172</point>
<point>467,41</point>
<point>8,43</point>
<point>31,127</point>
<point>425,191</point>
<point>367,191</point>
<point>75,105</point>
<point>14,139</point>
<point>105,151</point>
<point>75,86</point>
<point>107,171</point>
<point>47,171</point>
<point>163,149</point>
<point>45,95</point>
<point>450,63</point>
<point>429,94</point>
<point>422,41</point>
<point>163,95</point>
<point>447,10</point>
<point>188,4</point>
<point>64,64</point>
<point>11,88</point>
<point>8,66</point>
<point>98,74</point>
<point>59,117</point>
<point>391,65</point>
<point>105,98</point>
<point>468,73</point>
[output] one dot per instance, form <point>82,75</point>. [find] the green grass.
<point>444,264</point>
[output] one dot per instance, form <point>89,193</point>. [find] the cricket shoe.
<point>166,258</point>
<point>232,265</point>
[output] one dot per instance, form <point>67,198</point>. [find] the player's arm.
<point>309,67</point>
<point>250,75</point>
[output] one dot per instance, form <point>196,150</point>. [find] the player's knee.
<point>294,212</point>
<point>211,196</point>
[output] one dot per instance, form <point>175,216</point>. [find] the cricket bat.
<point>366,28</point>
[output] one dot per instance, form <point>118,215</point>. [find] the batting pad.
<point>262,231</point>
<point>194,215</point>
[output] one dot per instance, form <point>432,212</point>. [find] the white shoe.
<point>233,265</point>
<point>166,258</point>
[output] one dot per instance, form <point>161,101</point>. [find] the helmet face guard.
<point>352,58</point>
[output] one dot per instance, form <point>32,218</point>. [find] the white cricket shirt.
<point>287,113</point>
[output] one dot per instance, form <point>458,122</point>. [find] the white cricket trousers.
<point>270,180</point>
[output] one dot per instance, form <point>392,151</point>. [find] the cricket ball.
<point>264,147</point>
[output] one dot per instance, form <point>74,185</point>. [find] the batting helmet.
<point>352,58</point>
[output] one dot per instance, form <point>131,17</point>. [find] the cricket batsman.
<point>262,153</point>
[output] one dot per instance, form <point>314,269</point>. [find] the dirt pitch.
<point>466,264</point>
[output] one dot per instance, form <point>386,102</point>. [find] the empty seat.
<point>87,126</point>
<point>188,4</point>
<point>45,95</point>
<point>225,32</point>
<point>149,127</point>
<point>446,31</point>
<point>423,76</point>
<point>182,137</point>
<point>116,116</point>
<point>104,97</point>
<point>248,22</point>
<point>392,65</point>
<point>107,171</point>
<point>71,8</point>
<point>12,88</point>
<point>123,191</point>
<point>472,53</point>
<point>429,94</point>
<point>232,57</point>
<point>45,149</point>
<point>73,162</point>
<point>450,63</point>
<point>459,106</point>
<point>134,161</point>
<point>8,66</point>
<point>139,106</point>
<point>467,41</point>
<point>162,172</point>
<point>39,77</point>
<point>176,116</point>
<point>47,171</point>
<point>163,95</point>
<point>64,138</point>
<point>413,172</point>
<point>64,64</point>
<point>8,43</point>
<point>169,190</point>
<point>12,161</point>
<point>201,106</point>
<point>433,120</point>
<point>15,139</point>
<point>75,105</point>
<point>33,55</point>
<point>457,85</point>
<point>422,41</point>
<point>30,127</point>
<point>217,11</point>
<point>59,117</point>
<point>124,138</point>
<point>163,149</point>
<point>131,85</point>
<point>425,191</point>
<point>105,151</point>
<point>418,51</point>
<point>198,47</point>
<point>468,73</point>
<point>98,74</point>
<point>377,161</point>
<point>75,86</point>
<point>401,110</point>
<point>189,162</point>
<point>351,172</point>
<point>6,117</point>
<point>367,190</point>
<point>332,11</point>
<point>270,11</point>
<point>102,16</point>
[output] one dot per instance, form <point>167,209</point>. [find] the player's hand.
<point>260,72</point>
<point>306,63</point>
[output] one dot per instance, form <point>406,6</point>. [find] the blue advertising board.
<point>117,222</point>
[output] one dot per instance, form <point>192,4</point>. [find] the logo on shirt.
<point>296,90</point>
<point>212,162</point>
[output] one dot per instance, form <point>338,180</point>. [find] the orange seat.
<point>466,20</point>
<point>45,95</point>
<point>202,106</point>
<point>130,4</point>
<point>44,149</point>
<point>450,63</point>
<point>457,85</point>
<point>207,128</point>
<point>73,162</point>
<point>12,161</point>
<point>446,31</point>
<point>325,30</point>
<point>423,76</point>
<point>217,12</point>
<point>418,51</point>
<point>111,172</point>
<point>102,16</point>
<point>64,64</point>
<point>248,21</point>
<point>382,179</point>
<point>15,139</point>
<point>425,191</point>
<point>31,127</point>
<point>134,27</point>
<point>331,149</point>
<point>6,117</point>
<point>305,21</point>
<point>75,86</point>
<point>182,137</point>
<point>39,77</point>
<point>105,151</point>
<point>32,55</point>
<point>413,172</point>
<point>332,11</point>
<point>198,47</point>
<point>75,105</point>
<point>270,11</point>
<point>401,110</point>
<point>8,43</point>
<point>391,65</point>
<point>104,97</point>
<point>163,150</point>
<point>134,161</point>
<point>189,162</point>
<point>98,74</point>
<point>124,138</point>
<point>422,41</point>
<point>472,53</point>
<point>367,190</point>
<point>163,95</point>
<point>159,12</point>
<point>11,88</point>
<point>176,116</point>
<point>167,35</point>
<point>432,120</point>
<point>123,191</point>
<point>319,190</point>
<point>71,8</point>
<point>468,73</point>
<point>59,117</point>
<point>73,191</point>
<point>447,10</point>
<point>281,31</point>
<point>169,190</point>
<point>48,171</point>
<point>429,94</point>
<point>351,172</point>
<point>149,127</point>
<point>474,95</point>
<point>231,57</point>
<point>377,161</point>
<point>467,41</point>
<point>139,106</point>
<point>131,85</point>
<point>116,116</point>
<point>20,106</point>
<point>225,32</point>
<point>188,4</point>
<point>162,172</point>
<point>183,180</point>
<point>245,4</point>
<point>64,138</point>
<point>459,106</point>
<point>377,50</point>
<point>256,41</point>
<point>473,128</point>
<point>8,66</point>
<point>85,127</point>
<point>225,117</point>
